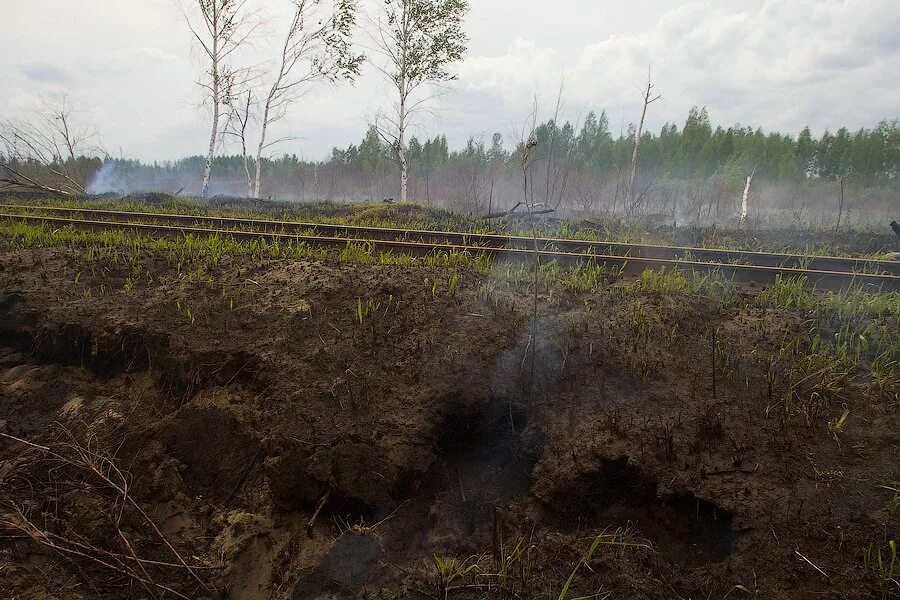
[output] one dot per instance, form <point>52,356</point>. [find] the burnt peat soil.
<point>188,423</point>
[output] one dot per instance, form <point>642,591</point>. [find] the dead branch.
<point>43,538</point>
<point>101,467</point>
<point>319,507</point>
<point>18,180</point>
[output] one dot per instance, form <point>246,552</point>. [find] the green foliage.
<point>718,156</point>
<point>871,157</point>
<point>338,59</point>
<point>422,38</point>
<point>360,252</point>
<point>786,292</point>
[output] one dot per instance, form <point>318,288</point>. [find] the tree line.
<point>691,168</point>
<point>869,157</point>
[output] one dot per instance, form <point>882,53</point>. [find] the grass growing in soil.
<point>130,247</point>
<point>674,282</point>
<point>851,316</point>
<point>812,241</point>
<point>517,569</point>
<point>849,334</point>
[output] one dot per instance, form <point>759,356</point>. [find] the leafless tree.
<point>418,40</point>
<point>557,173</point>
<point>239,116</point>
<point>558,169</point>
<point>649,98</point>
<point>588,190</point>
<point>526,144</point>
<point>220,28</point>
<point>317,47</point>
<point>44,151</point>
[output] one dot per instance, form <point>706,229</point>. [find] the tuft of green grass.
<point>358,252</point>
<point>883,567</point>
<point>450,570</point>
<point>786,292</point>
<point>676,282</point>
<point>639,324</point>
<point>621,539</point>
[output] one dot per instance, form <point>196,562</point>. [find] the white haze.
<point>778,64</point>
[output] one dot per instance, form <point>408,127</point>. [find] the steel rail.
<point>753,258</point>
<point>735,272</point>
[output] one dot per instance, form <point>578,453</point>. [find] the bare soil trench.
<point>222,412</point>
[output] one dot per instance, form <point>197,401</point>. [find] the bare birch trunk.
<point>244,121</point>
<point>315,181</point>
<point>247,173</point>
<point>257,173</point>
<point>401,122</point>
<point>634,157</point>
<point>222,27</point>
<point>401,152</point>
<point>213,135</point>
<point>745,200</point>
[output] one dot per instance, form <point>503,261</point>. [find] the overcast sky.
<point>777,64</point>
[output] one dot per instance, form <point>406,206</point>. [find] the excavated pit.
<point>355,561</point>
<point>485,456</point>
<point>690,531</point>
<point>108,353</point>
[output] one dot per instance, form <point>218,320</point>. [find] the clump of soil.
<point>281,446</point>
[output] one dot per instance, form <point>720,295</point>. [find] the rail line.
<point>681,253</point>
<point>758,274</point>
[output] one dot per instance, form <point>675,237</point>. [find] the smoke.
<point>126,177</point>
<point>108,180</point>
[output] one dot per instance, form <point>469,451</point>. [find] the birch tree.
<point>418,41</point>
<point>317,48</point>
<point>220,28</point>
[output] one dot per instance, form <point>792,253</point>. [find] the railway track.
<point>767,259</point>
<point>740,266</point>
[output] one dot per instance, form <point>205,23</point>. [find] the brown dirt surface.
<point>235,400</point>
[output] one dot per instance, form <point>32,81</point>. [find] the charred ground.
<point>191,407</point>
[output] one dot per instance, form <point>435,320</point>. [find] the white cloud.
<point>826,63</point>
<point>522,67</point>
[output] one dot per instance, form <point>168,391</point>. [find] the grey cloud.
<point>45,73</point>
